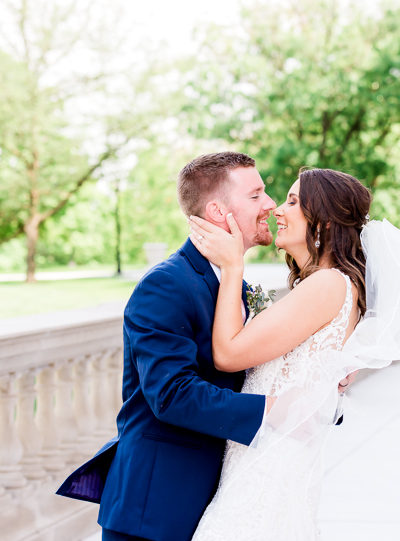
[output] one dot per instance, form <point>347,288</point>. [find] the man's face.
<point>250,205</point>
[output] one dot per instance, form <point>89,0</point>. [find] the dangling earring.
<point>318,242</point>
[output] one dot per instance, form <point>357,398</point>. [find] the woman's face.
<point>292,225</point>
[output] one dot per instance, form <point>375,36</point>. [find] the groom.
<point>162,470</point>
<point>156,478</point>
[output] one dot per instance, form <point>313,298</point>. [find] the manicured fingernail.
<point>229,214</point>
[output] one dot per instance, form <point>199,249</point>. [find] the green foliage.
<point>81,233</point>
<point>46,159</point>
<point>39,164</point>
<point>149,207</point>
<point>303,84</point>
<point>257,299</point>
<point>12,256</point>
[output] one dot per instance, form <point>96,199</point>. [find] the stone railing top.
<point>33,342</point>
<point>46,322</point>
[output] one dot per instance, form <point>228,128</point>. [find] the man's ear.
<point>215,212</point>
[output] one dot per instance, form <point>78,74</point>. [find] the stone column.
<point>64,411</point>
<point>100,395</point>
<point>115,368</point>
<point>10,447</point>
<point>47,423</point>
<point>83,411</point>
<point>27,429</point>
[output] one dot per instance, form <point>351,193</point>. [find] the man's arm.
<point>160,325</point>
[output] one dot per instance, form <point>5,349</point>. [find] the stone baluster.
<point>46,420</point>
<point>108,423</point>
<point>83,411</point>
<point>64,410</point>
<point>27,429</point>
<point>5,501</point>
<point>114,362</point>
<point>100,394</point>
<point>10,446</point>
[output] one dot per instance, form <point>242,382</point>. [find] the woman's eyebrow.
<point>293,195</point>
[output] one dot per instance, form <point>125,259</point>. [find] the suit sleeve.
<point>159,325</point>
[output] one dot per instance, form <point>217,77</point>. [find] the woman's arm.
<point>275,331</point>
<point>308,307</point>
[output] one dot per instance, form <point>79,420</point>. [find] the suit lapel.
<point>212,282</point>
<point>202,266</point>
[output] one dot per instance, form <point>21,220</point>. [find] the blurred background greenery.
<point>96,122</point>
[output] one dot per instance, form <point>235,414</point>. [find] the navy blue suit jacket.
<point>162,470</point>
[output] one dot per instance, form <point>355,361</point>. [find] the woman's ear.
<point>216,212</point>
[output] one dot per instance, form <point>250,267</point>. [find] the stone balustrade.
<point>60,390</point>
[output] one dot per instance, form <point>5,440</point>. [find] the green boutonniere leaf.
<point>257,300</point>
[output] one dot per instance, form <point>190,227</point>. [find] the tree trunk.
<point>31,227</point>
<point>32,235</point>
<point>117,229</point>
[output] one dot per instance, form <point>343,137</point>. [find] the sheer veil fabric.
<point>374,344</point>
<point>270,490</point>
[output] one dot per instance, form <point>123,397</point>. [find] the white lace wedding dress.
<point>270,490</point>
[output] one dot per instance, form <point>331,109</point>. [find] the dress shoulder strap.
<point>344,313</point>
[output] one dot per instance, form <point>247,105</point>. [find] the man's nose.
<point>269,204</point>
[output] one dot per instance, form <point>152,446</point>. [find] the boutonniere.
<point>257,300</point>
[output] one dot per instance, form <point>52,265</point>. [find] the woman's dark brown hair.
<point>338,204</point>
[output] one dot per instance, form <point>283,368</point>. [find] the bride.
<point>341,315</point>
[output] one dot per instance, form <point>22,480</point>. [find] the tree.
<point>149,207</point>
<point>302,83</point>
<point>43,167</point>
<point>46,140</point>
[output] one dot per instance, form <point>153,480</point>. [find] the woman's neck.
<point>325,261</point>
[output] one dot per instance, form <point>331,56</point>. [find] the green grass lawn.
<point>19,299</point>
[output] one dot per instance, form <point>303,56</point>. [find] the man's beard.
<point>263,239</point>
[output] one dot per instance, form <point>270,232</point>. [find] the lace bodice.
<point>297,366</point>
